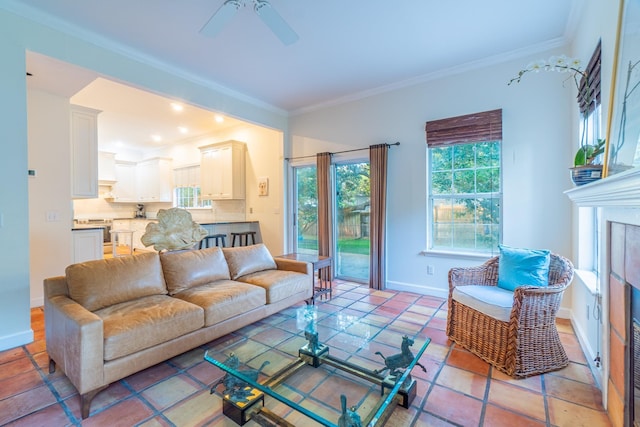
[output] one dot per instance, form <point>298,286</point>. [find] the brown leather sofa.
<point>110,318</point>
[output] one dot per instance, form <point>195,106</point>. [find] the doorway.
<point>351,209</point>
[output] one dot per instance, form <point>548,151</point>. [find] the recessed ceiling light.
<point>156,138</point>
<point>219,119</point>
<point>176,106</point>
<point>183,129</point>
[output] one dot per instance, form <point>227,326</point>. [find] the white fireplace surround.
<point>618,198</point>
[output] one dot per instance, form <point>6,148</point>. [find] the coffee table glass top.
<point>333,370</point>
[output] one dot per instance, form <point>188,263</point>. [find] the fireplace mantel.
<point>620,190</point>
<point>618,199</point>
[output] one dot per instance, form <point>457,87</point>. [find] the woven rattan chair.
<point>528,344</point>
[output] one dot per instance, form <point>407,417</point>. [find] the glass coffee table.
<point>361,388</point>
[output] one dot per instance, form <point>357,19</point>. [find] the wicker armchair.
<point>528,344</point>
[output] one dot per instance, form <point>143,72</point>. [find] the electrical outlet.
<point>430,270</point>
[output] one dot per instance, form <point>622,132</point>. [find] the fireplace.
<point>618,200</point>
<point>624,319</point>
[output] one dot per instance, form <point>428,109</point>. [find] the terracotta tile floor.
<point>458,388</point>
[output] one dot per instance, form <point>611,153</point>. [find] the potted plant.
<point>585,168</point>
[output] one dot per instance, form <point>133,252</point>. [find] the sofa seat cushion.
<point>248,259</point>
<point>490,300</point>
<point>186,269</point>
<point>144,322</point>
<point>101,283</point>
<point>224,299</point>
<point>279,284</point>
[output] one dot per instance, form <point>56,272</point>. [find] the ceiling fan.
<point>265,11</point>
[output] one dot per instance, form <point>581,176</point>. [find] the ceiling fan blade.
<point>274,21</point>
<point>219,19</point>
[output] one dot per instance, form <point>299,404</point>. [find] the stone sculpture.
<point>174,230</point>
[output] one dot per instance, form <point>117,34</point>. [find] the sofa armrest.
<point>294,265</point>
<point>75,342</point>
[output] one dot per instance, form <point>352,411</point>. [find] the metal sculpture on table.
<point>399,361</point>
<point>236,389</point>
<point>313,349</point>
<point>396,365</point>
<point>349,417</point>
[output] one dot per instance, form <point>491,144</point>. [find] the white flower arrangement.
<point>559,63</point>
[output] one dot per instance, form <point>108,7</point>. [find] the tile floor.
<point>458,388</point>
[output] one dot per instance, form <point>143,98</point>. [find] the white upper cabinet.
<point>149,181</point>
<point>106,168</point>
<point>222,171</point>
<point>84,152</point>
<point>124,190</point>
<point>154,180</point>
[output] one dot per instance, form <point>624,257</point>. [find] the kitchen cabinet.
<point>106,168</point>
<point>84,152</point>
<point>87,244</point>
<point>222,171</point>
<point>124,189</point>
<point>149,181</point>
<point>154,180</point>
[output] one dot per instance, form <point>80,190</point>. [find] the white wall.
<point>15,318</point>
<point>49,191</point>
<point>536,155</point>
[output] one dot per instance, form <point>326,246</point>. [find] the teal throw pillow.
<point>517,267</point>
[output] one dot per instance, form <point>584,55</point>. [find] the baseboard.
<point>589,353</point>
<point>16,340</point>
<point>418,289</point>
<point>37,302</point>
<point>564,313</point>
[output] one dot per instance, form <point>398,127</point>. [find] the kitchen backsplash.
<point>100,208</point>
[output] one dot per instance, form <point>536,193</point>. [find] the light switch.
<point>52,216</point>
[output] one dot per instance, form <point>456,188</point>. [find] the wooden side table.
<point>321,266</point>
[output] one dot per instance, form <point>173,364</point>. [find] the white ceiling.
<point>346,49</point>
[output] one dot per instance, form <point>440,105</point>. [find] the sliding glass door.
<point>351,217</point>
<point>305,219</point>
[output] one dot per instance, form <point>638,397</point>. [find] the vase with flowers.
<point>587,167</point>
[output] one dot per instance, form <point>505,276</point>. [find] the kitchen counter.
<point>87,227</point>
<point>228,222</point>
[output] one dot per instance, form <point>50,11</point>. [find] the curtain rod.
<point>338,152</point>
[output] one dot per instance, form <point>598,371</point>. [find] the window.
<point>464,189</point>
<point>591,129</point>
<point>187,188</point>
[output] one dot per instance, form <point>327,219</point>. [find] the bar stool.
<point>246,235</point>
<point>122,239</point>
<point>206,242</point>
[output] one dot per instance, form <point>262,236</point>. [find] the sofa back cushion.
<point>186,269</point>
<point>102,283</point>
<point>244,260</point>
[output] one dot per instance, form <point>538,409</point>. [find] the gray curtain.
<point>378,182</point>
<point>325,221</point>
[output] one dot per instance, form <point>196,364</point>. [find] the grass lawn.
<point>351,246</point>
